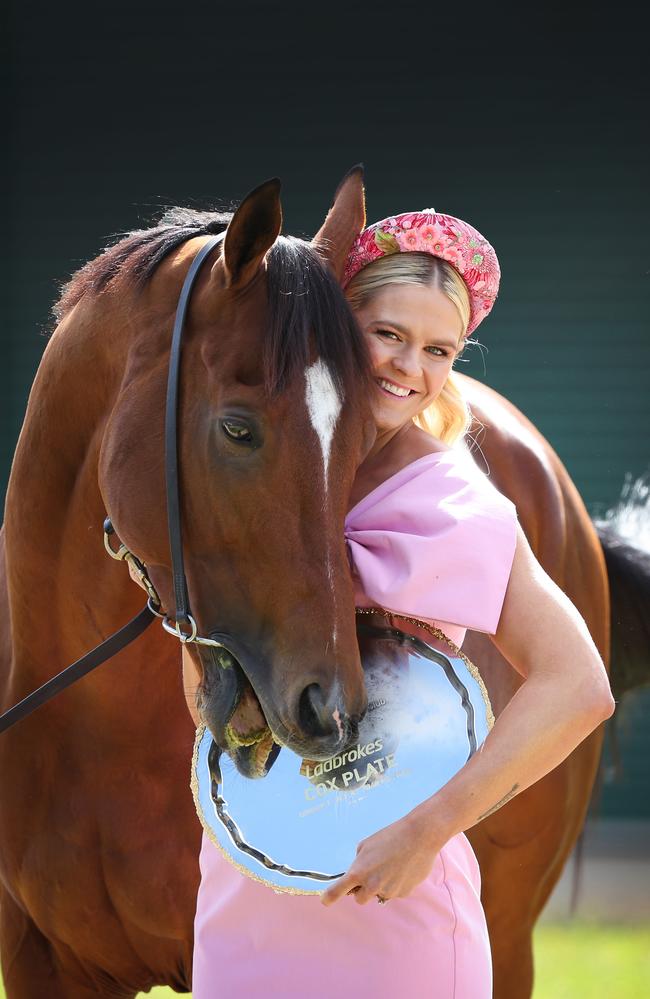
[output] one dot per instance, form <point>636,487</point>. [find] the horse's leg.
<point>33,970</point>
<point>523,847</point>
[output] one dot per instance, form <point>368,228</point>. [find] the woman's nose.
<point>408,362</point>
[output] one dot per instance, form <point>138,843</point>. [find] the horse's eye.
<point>237,431</point>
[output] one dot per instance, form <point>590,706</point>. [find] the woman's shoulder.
<point>394,460</point>
<point>418,443</point>
<point>451,462</point>
<point>425,467</point>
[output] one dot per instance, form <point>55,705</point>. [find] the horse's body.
<point>523,847</point>
<point>99,838</point>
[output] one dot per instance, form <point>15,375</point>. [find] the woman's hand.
<point>389,864</point>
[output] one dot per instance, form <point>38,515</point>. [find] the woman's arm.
<point>564,697</point>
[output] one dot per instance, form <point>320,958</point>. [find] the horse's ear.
<point>253,230</point>
<point>345,220</point>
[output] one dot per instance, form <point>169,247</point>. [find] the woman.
<point>430,537</point>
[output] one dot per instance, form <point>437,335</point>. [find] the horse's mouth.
<point>249,739</point>
<point>232,711</point>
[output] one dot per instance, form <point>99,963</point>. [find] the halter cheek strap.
<point>181,597</point>
<point>183,626</point>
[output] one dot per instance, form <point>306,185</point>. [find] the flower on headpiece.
<point>409,240</point>
<point>429,235</point>
<point>454,256</point>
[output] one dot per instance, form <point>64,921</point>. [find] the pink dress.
<point>435,541</point>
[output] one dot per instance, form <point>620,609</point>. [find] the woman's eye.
<point>236,430</point>
<point>437,351</point>
<point>387,333</point>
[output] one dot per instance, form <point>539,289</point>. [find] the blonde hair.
<point>448,417</point>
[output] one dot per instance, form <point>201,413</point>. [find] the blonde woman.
<point>430,537</point>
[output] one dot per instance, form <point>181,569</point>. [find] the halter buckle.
<point>137,569</point>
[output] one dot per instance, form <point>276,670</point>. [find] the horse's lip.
<point>221,658</point>
<point>242,753</point>
<point>234,649</point>
<point>246,759</point>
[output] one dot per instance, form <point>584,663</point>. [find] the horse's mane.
<point>304,298</point>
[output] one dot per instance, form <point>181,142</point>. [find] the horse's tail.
<point>624,534</point>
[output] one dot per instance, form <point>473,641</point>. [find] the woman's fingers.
<point>364,895</point>
<point>352,883</point>
<point>344,886</point>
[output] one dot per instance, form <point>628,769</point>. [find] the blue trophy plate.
<point>297,829</point>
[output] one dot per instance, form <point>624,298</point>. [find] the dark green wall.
<point>535,130</point>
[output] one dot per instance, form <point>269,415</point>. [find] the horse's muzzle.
<point>251,729</point>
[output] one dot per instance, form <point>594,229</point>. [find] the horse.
<point>100,841</point>
<point>99,869</point>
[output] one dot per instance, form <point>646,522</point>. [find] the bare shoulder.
<point>403,450</point>
<point>406,448</point>
<point>418,443</point>
<point>412,446</point>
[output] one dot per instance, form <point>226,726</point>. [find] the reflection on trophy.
<point>366,761</point>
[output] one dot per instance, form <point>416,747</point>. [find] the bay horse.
<point>99,836</point>
<point>99,840</point>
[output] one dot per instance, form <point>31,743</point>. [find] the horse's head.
<point>273,423</point>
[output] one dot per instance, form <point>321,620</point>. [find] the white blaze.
<point>323,406</point>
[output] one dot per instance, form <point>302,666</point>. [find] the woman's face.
<point>414,334</point>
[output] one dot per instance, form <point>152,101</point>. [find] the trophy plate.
<point>297,829</point>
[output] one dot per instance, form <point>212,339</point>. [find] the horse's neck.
<point>54,510</point>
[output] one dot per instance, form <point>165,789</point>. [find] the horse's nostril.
<point>315,715</point>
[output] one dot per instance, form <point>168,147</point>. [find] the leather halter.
<point>181,597</point>
<point>120,639</point>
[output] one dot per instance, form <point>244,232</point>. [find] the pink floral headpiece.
<point>444,236</point>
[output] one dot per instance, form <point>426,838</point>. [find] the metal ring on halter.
<point>155,608</point>
<point>381,900</point>
<point>174,629</point>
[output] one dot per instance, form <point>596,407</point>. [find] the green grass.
<point>576,962</point>
<point>592,962</point>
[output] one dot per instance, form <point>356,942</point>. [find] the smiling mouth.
<point>393,390</point>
